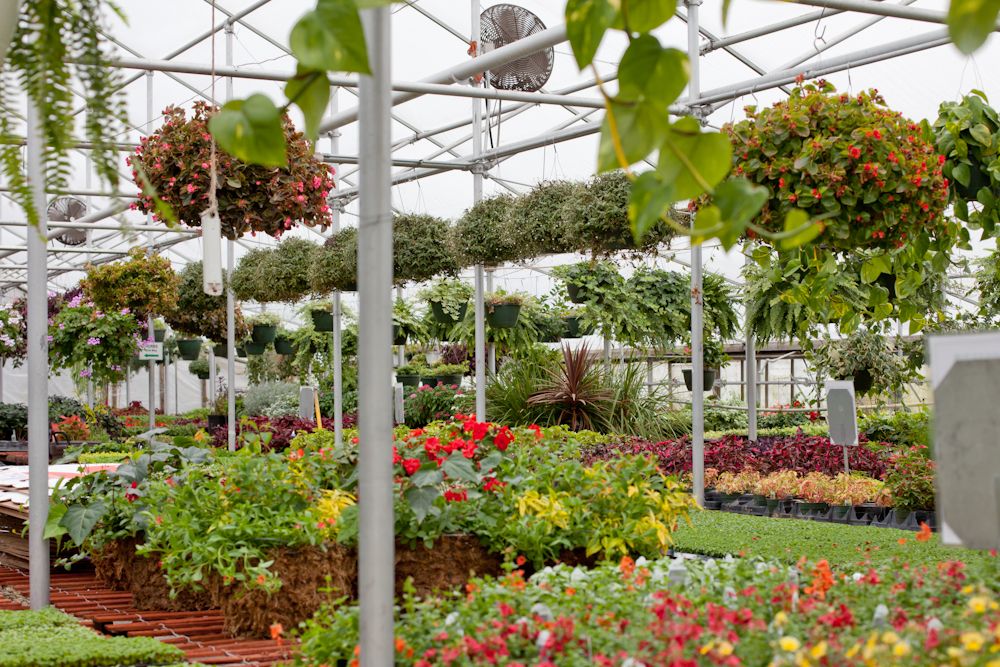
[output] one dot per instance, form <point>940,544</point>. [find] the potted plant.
<point>406,324</point>
<point>91,343</point>
<point>251,197</point>
<point>220,350</point>
<point>502,309</point>
<point>866,357</point>
<point>199,314</point>
<point>910,482</point>
<point>448,298</point>
<point>598,221</point>
<point>199,368</point>
<point>485,234</point>
<point>334,265</point>
<point>284,342</point>
<point>409,375</point>
<point>443,373</point>
<point>254,349</point>
<point>144,284</point>
<point>281,273</point>
<point>422,248</point>
<point>159,330</point>
<point>263,327</point>
<point>219,416</point>
<point>590,282</point>
<point>540,218</point>
<point>13,337</point>
<point>321,314</point>
<point>814,490</point>
<point>241,350</point>
<point>714,357</point>
<point>573,322</point>
<point>189,349</point>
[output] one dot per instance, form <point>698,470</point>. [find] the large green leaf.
<point>53,527</point>
<point>875,266</point>
<point>797,219</point>
<point>707,217</point>
<point>687,148</point>
<point>970,22</point>
<point>651,197</point>
<point>458,467</point>
<point>431,477</point>
<point>586,23</point>
<point>421,499</point>
<point>310,90</point>
<point>251,130</point>
<point>331,38</point>
<point>647,15</point>
<point>79,520</point>
<point>649,71</point>
<point>640,126</point>
<point>739,201</point>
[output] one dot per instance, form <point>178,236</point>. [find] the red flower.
<point>854,152</point>
<point>411,465</point>
<point>537,429</point>
<point>503,439</point>
<point>456,496</point>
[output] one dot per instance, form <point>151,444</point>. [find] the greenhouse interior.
<point>462,332</point>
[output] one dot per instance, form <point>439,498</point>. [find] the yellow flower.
<point>789,644</point>
<point>725,649</point>
<point>853,651</point>
<point>819,650</point>
<point>972,641</point>
<point>901,649</point>
<point>979,604</point>
<point>780,618</point>
<point>889,637</point>
<point>706,649</point>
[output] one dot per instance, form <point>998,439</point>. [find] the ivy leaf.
<point>53,528</point>
<point>687,147</point>
<point>907,285</point>
<point>649,71</point>
<point>310,90</point>
<point>647,15</point>
<point>874,267</point>
<point>640,126</point>
<point>960,172</point>
<point>427,477</point>
<point>799,219</point>
<point>849,322</point>
<point>883,310</point>
<point>970,22</point>
<point>330,38</point>
<point>651,197</point>
<point>586,23</point>
<point>79,520</point>
<point>459,467</point>
<point>251,130</point>
<point>739,201</point>
<point>421,499</point>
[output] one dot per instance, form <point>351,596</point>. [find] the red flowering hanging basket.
<point>869,173</point>
<point>176,160</point>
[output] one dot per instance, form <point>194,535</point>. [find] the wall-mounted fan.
<point>504,24</point>
<point>68,209</point>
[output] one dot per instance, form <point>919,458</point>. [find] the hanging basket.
<point>241,351</point>
<point>443,317</point>
<point>708,377</point>
<point>398,335</point>
<point>283,345</point>
<point>572,327</point>
<point>322,320</point>
<point>255,349</point>
<point>408,380</point>
<point>503,316</point>
<point>263,333</point>
<point>189,348</point>
<point>863,381</point>
<point>159,335</point>
<point>221,350</point>
<point>574,292</point>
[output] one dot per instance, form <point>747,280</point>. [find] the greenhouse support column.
<point>477,196</point>
<point>212,374</point>
<point>38,373</point>
<point>697,314</point>
<point>151,240</point>
<point>230,298</point>
<point>750,364</point>
<point>375,399</point>
<point>338,366</point>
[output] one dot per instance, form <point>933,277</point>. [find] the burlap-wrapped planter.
<point>151,592</point>
<point>303,571</point>
<point>113,563</point>
<point>450,564</point>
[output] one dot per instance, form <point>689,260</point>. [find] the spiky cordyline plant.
<point>59,45</point>
<point>575,389</point>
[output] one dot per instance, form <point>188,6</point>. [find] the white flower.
<point>541,611</point>
<point>451,618</point>
<point>543,639</point>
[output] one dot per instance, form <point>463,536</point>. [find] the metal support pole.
<point>151,366</point>
<point>338,361</point>
<point>607,353</point>
<point>477,196</point>
<point>491,350</point>
<point>376,559</point>
<point>38,374</point>
<point>750,366</point>
<point>212,375</point>
<point>697,314</point>
<point>230,298</point>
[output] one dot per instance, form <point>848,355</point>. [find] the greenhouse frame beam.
<point>505,54</point>
<point>107,226</point>
<point>714,44</point>
<point>882,9</point>
<point>413,89</point>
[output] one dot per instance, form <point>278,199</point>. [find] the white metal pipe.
<point>882,9</point>
<point>230,298</point>
<point>151,366</point>
<point>461,72</point>
<point>477,196</point>
<point>338,314</point>
<point>38,373</point>
<point>85,250</point>
<point>765,31</point>
<point>697,314</point>
<point>123,228</point>
<point>750,373</point>
<point>376,530</point>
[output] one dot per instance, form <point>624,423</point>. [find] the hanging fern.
<point>59,46</point>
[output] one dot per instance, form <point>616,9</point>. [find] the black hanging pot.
<point>572,327</point>
<point>888,281</point>
<point>443,317</point>
<point>322,320</point>
<point>217,421</point>
<point>398,335</point>
<point>253,348</point>
<point>221,350</point>
<point>503,316</point>
<point>189,348</point>
<point>708,377</point>
<point>159,335</point>
<point>574,292</point>
<point>202,375</point>
<point>283,345</point>
<point>408,380</point>
<point>263,333</point>
<point>863,381</point>
<point>241,351</point>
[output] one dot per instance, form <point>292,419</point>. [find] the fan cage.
<point>68,209</point>
<point>504,24</point>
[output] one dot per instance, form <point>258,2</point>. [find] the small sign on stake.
<point>211,238</point>
<point>842,415</point>
<point>150,351</point>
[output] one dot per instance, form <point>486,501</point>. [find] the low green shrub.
<point>259,399</point>
<point>903,429</point>
<point>50,638</point>
<point>103,457</point>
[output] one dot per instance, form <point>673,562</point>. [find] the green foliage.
<point>145,284</point>
<point>988,285</point>
<point>59,49</point>
<point>451,293</point>
<point>970,22</point>
<point>409,324</point>
<point>13,421</point>
<point>968,134</point>
<point>910,480</point>
<point>335,264</point>
<point>92,343</point>
<point>199,367</point>
<point>902,429</point>
<point>176,159</point>
<point>426,404</point>
<point>864,350</point>
<point>539,218</point>
<point>259,399</point>
<point>281,273</point>
<point>50,638</point>
<point>422,248</point>
<point>485,234</point>
<point>199,314</point>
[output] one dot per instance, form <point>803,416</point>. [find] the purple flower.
<point>115,367</point>
<point>75,301</point>
<point>93,340</point>
<point>48,338</point>
<point>85,373</point>
<point>125,311</point>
